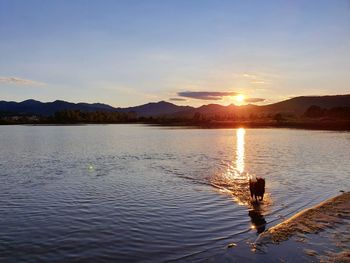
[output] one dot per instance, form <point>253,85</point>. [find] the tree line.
<point>338,113</point>
<point>77,116</point>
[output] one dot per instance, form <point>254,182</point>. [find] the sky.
<point>189,52</point>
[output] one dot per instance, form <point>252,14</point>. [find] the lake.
<point>141,193</point>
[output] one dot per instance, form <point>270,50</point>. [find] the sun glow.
<point>239,98</point>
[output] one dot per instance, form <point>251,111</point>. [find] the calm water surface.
<point>137,193</point>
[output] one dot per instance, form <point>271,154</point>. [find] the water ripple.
<point>105,193</point>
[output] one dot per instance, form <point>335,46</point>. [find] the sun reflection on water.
<point>240,150</point>
<point>234,180</point>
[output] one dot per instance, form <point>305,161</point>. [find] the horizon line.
<point>167,101</point>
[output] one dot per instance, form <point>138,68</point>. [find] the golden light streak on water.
<point>235,179</point>
<point>240,150</point>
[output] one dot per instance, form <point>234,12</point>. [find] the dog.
<point>257,188</point>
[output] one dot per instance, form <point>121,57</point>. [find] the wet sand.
<point>323,231</point>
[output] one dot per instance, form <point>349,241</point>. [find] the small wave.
<point>237,185</point>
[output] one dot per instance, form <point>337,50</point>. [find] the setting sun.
<point>239,98</point>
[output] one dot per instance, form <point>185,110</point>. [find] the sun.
<point>240,98</point>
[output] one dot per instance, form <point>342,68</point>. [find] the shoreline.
<point>331,126</point>
<point>322,231</point>
<point>310,220</point>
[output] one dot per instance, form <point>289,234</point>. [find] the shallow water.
<point>140,193</point>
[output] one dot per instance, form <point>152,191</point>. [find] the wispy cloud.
<point>252,100</point>
<point>249,76</point>
<point>258,82</point>
<point>206,95</point>
<point>177,99</point>
<point>254,78</point>
<point>20,81</point>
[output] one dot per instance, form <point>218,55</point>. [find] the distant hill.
<point>161,108</point>
<point>297,105</point>
<point>49,108</point>
<point>216,109</point>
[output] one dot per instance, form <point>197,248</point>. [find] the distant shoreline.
<point>305,112</point>
<point>336,126</point>
<point>307,125</point>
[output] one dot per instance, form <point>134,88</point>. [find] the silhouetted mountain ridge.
<point>297,105</point>
<point>301,104</point>
<point>49,108</point>
<point>156,109</point>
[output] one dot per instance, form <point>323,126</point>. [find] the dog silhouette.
<point>257,188</point>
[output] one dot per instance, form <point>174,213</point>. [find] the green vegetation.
<point>315,117</point>
<point>337,113</point>
<point>70,117</point>
<point>77,116</point>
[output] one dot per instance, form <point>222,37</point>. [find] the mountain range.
<point>297,105</point>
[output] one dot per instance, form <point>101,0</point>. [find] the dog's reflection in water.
<point>257,219</point>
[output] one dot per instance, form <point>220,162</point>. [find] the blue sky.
<point>130,52</point>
